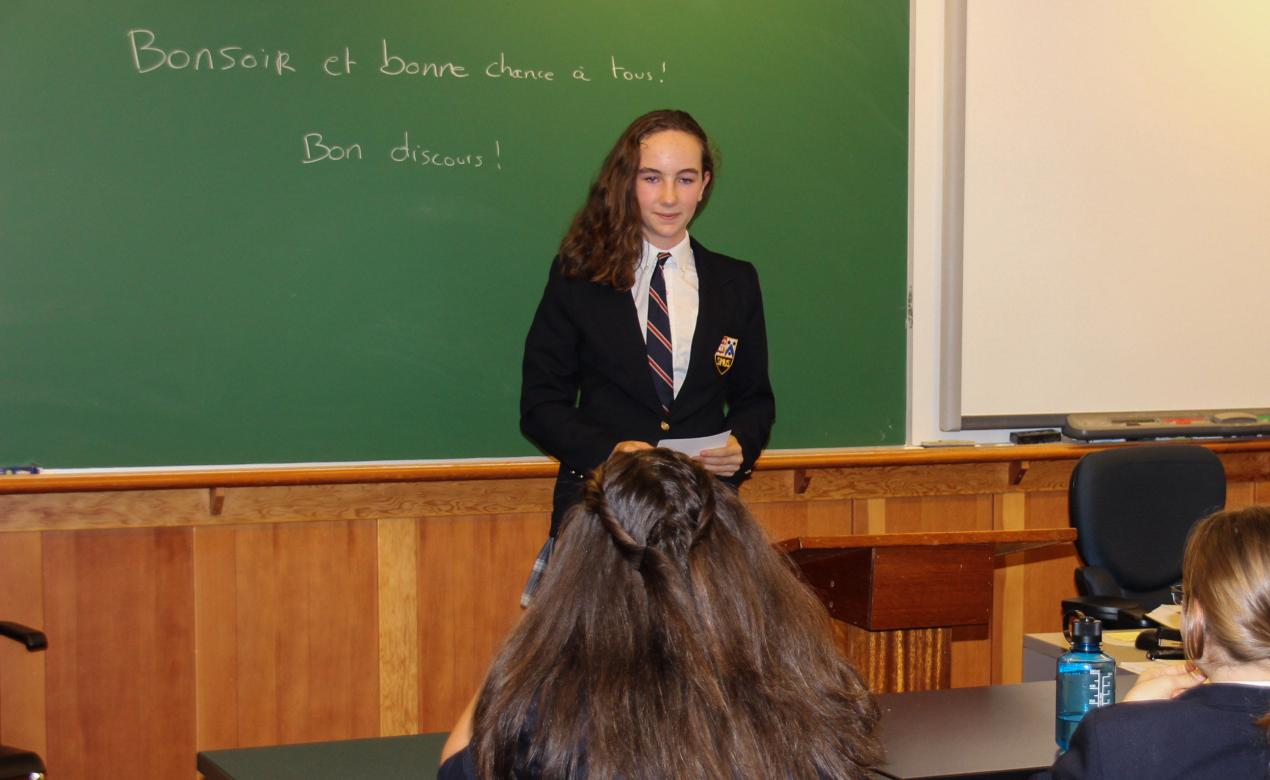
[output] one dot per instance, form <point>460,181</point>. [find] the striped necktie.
<point>660,354</point>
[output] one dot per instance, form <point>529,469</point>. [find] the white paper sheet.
<point>693,447</point>
<point>1167,615</point>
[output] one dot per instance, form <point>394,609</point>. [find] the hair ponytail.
<point>668,639</point>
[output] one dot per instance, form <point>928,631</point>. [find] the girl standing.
<point>643,333</point>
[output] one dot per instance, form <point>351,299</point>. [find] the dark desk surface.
<point>1005,729</point>
<point>386,758</point>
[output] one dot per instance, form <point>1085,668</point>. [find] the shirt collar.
<point>680,255</point>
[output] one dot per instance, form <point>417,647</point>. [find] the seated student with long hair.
<point>671,641</point>
<point>1209,718</point>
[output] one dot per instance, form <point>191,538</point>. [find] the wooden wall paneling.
<point>782,520</point>
<point>306,613</point>
<point>765,487</point>
<point>398,627</point>
<point>471,573</point>
<point>869,516</point>
<point>1046,475</point>
<point>120,617</point>
<point>331,676</point>
<point>519,538</point>
<point>407,500</point>
<point>1246,466</point>
<point>22,674</point>
<point>970,654</point>
<point>448,592</point>
<point>1009,513</point>
<point>924,480</point>
<point>831,518</point>
<point>259,618</point>
<point>107,510</point>
<point>216,637</point>
<point>1261,492</point>
<point>281,504</point>
<point>936,513</point>
<point>1240,494</point>
<point>788,519</point>
<point>995,660</point>
<point>785,514</point>
<point>1049,572</point>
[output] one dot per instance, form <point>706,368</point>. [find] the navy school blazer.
<point>586,384</point>
<point>1207,732</point>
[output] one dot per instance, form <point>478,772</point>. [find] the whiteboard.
<point>1116,246</point>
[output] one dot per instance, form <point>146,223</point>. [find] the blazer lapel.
<point>710,316</point>
<point>618,324</point>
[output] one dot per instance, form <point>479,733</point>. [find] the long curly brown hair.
<point>604,241</point>
<point>670,640</point>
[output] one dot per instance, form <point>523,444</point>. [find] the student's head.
<point>668,639</point>
<point>1226,582</point>
<point>651,184</point>
<point>673,170</point>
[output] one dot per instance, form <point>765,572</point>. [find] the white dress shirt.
<point>680,273</point>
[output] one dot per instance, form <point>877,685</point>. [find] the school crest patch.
<point>725,355</point>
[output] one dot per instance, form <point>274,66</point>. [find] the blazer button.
<point>665,426</point>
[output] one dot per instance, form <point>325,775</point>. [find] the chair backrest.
<point>1132,508</point>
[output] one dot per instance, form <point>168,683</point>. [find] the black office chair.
<point>1132,508</point>
<point>15,763</point>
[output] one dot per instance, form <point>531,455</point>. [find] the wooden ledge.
<point>540,468</point>
<point>985,453</point>
<point>1003,541</point>
<point>273,476</point>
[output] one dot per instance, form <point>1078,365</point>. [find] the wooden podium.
<point>897,595</point>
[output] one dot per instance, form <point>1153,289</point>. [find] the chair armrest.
<point>33,639</point>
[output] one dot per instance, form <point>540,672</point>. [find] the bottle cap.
<point>1083,630</point>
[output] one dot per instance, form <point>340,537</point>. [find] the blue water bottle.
<point>1086,677</point>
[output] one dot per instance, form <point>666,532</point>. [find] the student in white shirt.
<point>592,384</point>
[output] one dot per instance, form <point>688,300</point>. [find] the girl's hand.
<point>724,460</point>
<point>1165,682</point>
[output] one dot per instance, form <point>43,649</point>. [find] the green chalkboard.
<point>233,232</point>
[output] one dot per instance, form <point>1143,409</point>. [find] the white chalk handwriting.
<point>147,57</point>
<point>149,52</point>
<point>318,147</point>
<point>400,61</point>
